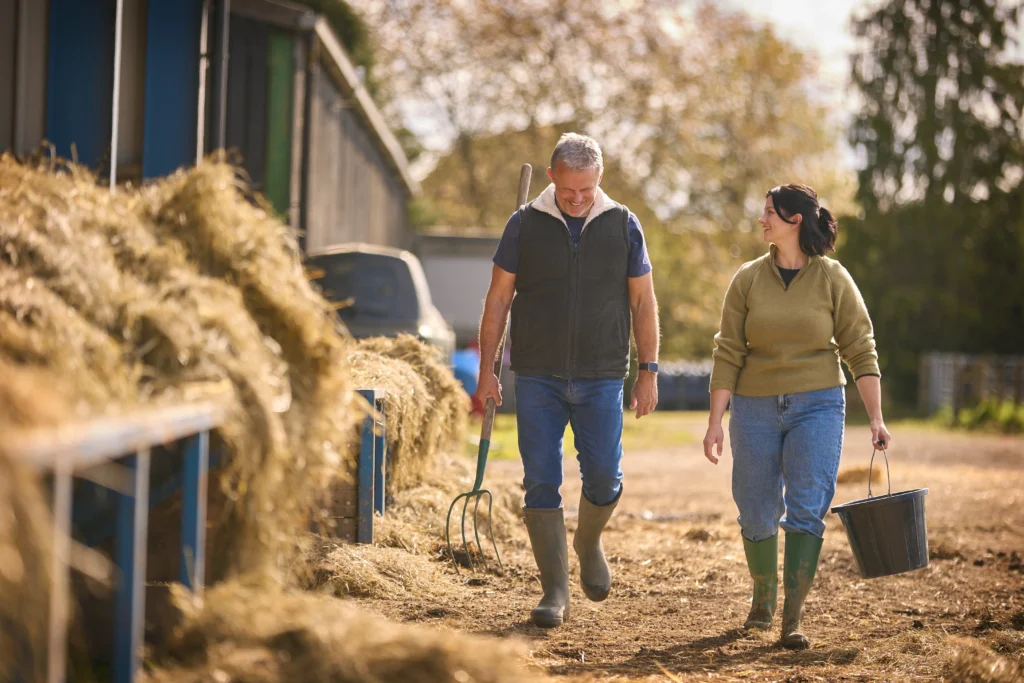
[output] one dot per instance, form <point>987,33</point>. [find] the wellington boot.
<point>595,575</point>
<point>547,536</point>
<point>799,567</point>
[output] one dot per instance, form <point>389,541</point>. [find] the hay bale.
<point>448,418</point>
<point>170,292</point>
<point>859,475</point>
<point>259,634</point>
<point>409,412</point>
<point>972,662</point>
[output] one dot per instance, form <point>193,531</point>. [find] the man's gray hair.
<point>578,152</point>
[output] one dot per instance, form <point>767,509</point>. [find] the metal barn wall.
<point>8,45</point>
<point>247,96</point>
<point>171,85</point>
<point>80,78</point>
<point>30,75</point>
<point>353,195</point>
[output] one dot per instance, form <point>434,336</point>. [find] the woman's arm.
<point>715,435</point>
<point>870,388</point>
<point>855,337</point>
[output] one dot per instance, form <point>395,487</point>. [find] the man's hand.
<point>488,387</point>
<point>645,394</point>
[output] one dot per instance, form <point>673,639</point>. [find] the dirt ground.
<point>681,588</point>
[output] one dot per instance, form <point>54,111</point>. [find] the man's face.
<point>574,190</point>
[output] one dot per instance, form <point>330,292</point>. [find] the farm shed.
<point>139,88</point>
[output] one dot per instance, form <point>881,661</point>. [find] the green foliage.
<point>351,30</point>
<point>699,113</point>
<point>991,415</point>
<point>939,248</point>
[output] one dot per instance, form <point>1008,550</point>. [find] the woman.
<point>788,318</point>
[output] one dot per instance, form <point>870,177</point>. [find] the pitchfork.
<point>485,444</point>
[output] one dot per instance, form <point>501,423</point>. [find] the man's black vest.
<point>571,315</point>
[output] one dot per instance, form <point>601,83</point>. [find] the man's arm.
<point>646,332</point>
<point>492,328</point>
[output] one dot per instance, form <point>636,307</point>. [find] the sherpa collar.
<point>546,202</point>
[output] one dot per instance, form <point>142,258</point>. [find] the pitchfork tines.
<point>476,494</point>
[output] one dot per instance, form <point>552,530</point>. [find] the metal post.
<point>220,117</point>
<point>204,70</point>
<point>115,114</point>
<point>129,614</point>
<point>193,512</point>
<point>364,530</point>
<point>59,596</point>
<point>380,449</point>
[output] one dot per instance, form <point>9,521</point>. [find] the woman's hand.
<point>880,435</point>
<point>713,439</point>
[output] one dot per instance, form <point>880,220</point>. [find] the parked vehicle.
<point>381,292</point>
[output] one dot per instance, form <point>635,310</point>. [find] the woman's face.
<point>774,228</point>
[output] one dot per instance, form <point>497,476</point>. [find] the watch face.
<point>649,367</point>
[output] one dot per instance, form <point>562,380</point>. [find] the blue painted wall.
<point>80,78</point>
<point>172,85</point>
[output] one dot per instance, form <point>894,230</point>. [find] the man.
<point>577,265</point>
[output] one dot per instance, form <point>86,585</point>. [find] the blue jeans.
<point>785,452</point>
<point>544,405</point>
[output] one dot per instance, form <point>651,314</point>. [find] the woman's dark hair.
<point>818,229</point>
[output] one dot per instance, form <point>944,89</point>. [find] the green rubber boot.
<point>763,563</point>
<point>801,562</point>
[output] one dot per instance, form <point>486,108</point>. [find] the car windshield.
<point>368,286</point>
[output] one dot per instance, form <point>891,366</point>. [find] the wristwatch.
<point>649,367</point>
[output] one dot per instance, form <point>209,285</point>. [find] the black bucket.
<point>887,533</point>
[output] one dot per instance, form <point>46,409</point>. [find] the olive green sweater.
<point>777,340</point>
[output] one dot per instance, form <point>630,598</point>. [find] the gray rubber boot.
<point>595,575</point>
<point>547,536</point>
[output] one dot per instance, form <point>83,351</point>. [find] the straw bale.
<point>449,416</point>
<point>408,408</point>
<point>257,634</point>
<point>859,474</point>
<point>156,295</point>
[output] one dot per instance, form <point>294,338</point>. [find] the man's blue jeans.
<point>790,442</point>
<point>544,405</point>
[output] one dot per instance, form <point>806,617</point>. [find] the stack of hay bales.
<point>185,290</point>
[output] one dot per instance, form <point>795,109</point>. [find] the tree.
<point>938,250</point>
<point>699,113</point>
<point>351,30</point>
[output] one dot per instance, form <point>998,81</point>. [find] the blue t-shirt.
<point>506,256</point>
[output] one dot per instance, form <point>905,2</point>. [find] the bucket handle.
<point>888,478</point>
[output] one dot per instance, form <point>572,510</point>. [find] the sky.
<point>823,28</point>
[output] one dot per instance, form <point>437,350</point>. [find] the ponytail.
<point>817,227</point>
<point>820,234</point>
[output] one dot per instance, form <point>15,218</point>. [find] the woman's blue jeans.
<point>544,406</point>
<point>785,453</point>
